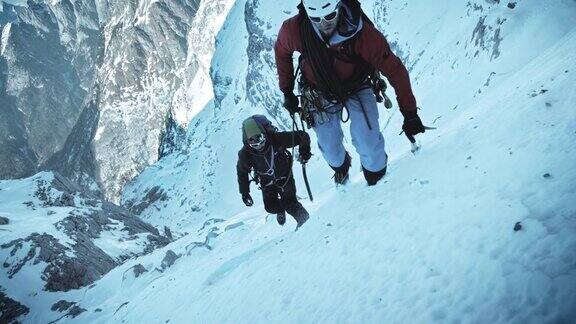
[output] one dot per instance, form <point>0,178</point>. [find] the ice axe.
<point>306,181</point>
<point>304,174</point>
<point>415,147</point>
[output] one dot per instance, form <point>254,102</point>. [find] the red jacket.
<point>370,45</point>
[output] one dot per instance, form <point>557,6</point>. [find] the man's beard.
<point>328,29</point>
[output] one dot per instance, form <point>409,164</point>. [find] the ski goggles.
<point>257,141</point>
<point>328,18</point>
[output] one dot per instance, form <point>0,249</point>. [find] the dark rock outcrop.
<point>10,309</point>
<point>72,267</point>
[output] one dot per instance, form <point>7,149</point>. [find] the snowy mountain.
<point>478,227</point>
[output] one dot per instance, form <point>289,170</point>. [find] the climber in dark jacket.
<point>266,152</point>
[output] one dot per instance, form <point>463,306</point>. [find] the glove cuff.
<point>409,114</point>
<point>288,93</point>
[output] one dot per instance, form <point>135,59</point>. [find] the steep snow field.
<point>433,242</point>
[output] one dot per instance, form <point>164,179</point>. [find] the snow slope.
<point>433,242</point>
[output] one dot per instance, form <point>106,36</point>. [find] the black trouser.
<point>278,200</point>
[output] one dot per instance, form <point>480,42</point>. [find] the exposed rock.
<point>61,306</point>
<point>172,137</point>
<point>76,161</point>
<point>258,78</point>
<point>4,221</point>
<point>47,63</point>
<point>168,233</point>
<point>169,259</point>
<point>75,311</point>
<point>133,107</point>
<point>69,117</point>
<point>82,263</point>
<point>66,199</point>
<point>10,309</point>
<point>153,195</point>
<point>139,270</point>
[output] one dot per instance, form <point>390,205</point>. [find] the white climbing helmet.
<point>321,8</point>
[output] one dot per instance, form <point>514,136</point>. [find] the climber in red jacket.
<point>340,50</point>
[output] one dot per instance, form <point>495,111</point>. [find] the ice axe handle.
<point>410,138</point>
<point>306,182</point>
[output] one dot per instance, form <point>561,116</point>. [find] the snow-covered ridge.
<point>55,237</point>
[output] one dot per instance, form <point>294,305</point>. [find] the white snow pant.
<point>369,143</point>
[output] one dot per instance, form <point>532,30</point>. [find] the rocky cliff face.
<point>145,46</point>
<point>48,54</point>
<point>116,70</point>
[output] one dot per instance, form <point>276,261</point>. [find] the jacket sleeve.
<point>292,139</point>
<point>284,51</point>
<point>243,168</point>
<point>374,48</point>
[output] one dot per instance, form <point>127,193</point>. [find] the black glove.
<point>304,155</point>
<point>412,123</point>
<point>247,199</point>
<point>291,102</point>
